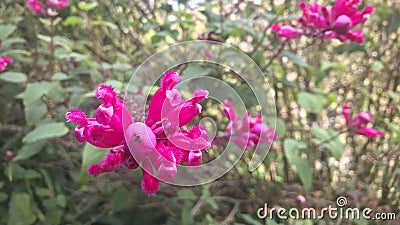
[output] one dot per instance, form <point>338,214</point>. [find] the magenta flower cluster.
<point>4,62</point>
<point>336,22</point>
<point>40,7</point>
<point>246,132</point>
<point>159,143</point>
<point>359,123</point>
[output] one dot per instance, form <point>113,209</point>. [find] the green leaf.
<point>87,6</point>
<point>377,66</point>
<point>21,210</point>
<point>195,71</point>
<point>270,221</point>
<point>45,131</point>
<point>6,44</point>
<point>120,200</point>
<point>61,76</point>
<point>36,90</point>
<point>395,20</point>
<point>349,48</point>
<point>210,200</point>
<point>29,150</point>
<point>280,128</point>
<point>105,23</point>
<point>292,148</point>
<point>72,20</point>
<point>326,67</point>
<point>17,51</point>
<point>57,95</point>
<point>6,30</point>
<point>250,220</point>
<point>186,217</point>
<point>90,155</point>
<point>394,95</point>
<point>187,194</point>
<point>35,111</point>
<point>122,67</point>
<point>14,77</point>
<point>61,200</point>
<point>312,103</point>
<point>3,196</point>
<point>14,171</point>
<point>329,139</point>
<point>295,59</point>
<point>305,173</point>
<point>43,192</point>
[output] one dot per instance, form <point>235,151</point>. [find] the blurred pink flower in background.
<point>359,123</point>
<point>40,7</point>
<point>249,132</point>
<point>328,23</point>
<point>286,31</point>
<point>158,143</point>
<point>4,62</point>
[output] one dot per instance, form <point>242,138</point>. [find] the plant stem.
<point>276,54</point>
<point>334,136</point>
<point>50,69</point>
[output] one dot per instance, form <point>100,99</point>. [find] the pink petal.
<point>78,131</point>
<point>166,161</point>
<point>370,132</point>
<point>111,162</point>
<point>102,136</point>
<point>192,140</point>
<point>107,94</point>
<point>104,114</point>
<point>36,6</point>
<point>150,185</point>
<point>289,32</point>
<point>194,158</point>
<point>76,116</point>
<point>342,25</point>
<point>169,80</point>
<point>346,113</point>
<point>230,111</point>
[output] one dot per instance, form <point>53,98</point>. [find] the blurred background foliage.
<point>59,61</point>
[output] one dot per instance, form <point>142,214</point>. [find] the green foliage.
<point>329,139</point>
<point>21,209</point>
<point>312,103</point>
<point>46,131</point>
<point>14,77</point>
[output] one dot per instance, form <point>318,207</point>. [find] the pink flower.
<point>38,7</point>
<point>249,132</point>
<point>287,31</point>
<point>157,145</point>
<point>57,4</point>
<point>4,61</point>
<point>359,123</point>
<point>328,23</point>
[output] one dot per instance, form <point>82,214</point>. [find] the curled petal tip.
<point>94,170</point>
<point>169,80</point>
<point>76,116</point>
<point>106,93</point>
<point>150,184</point>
